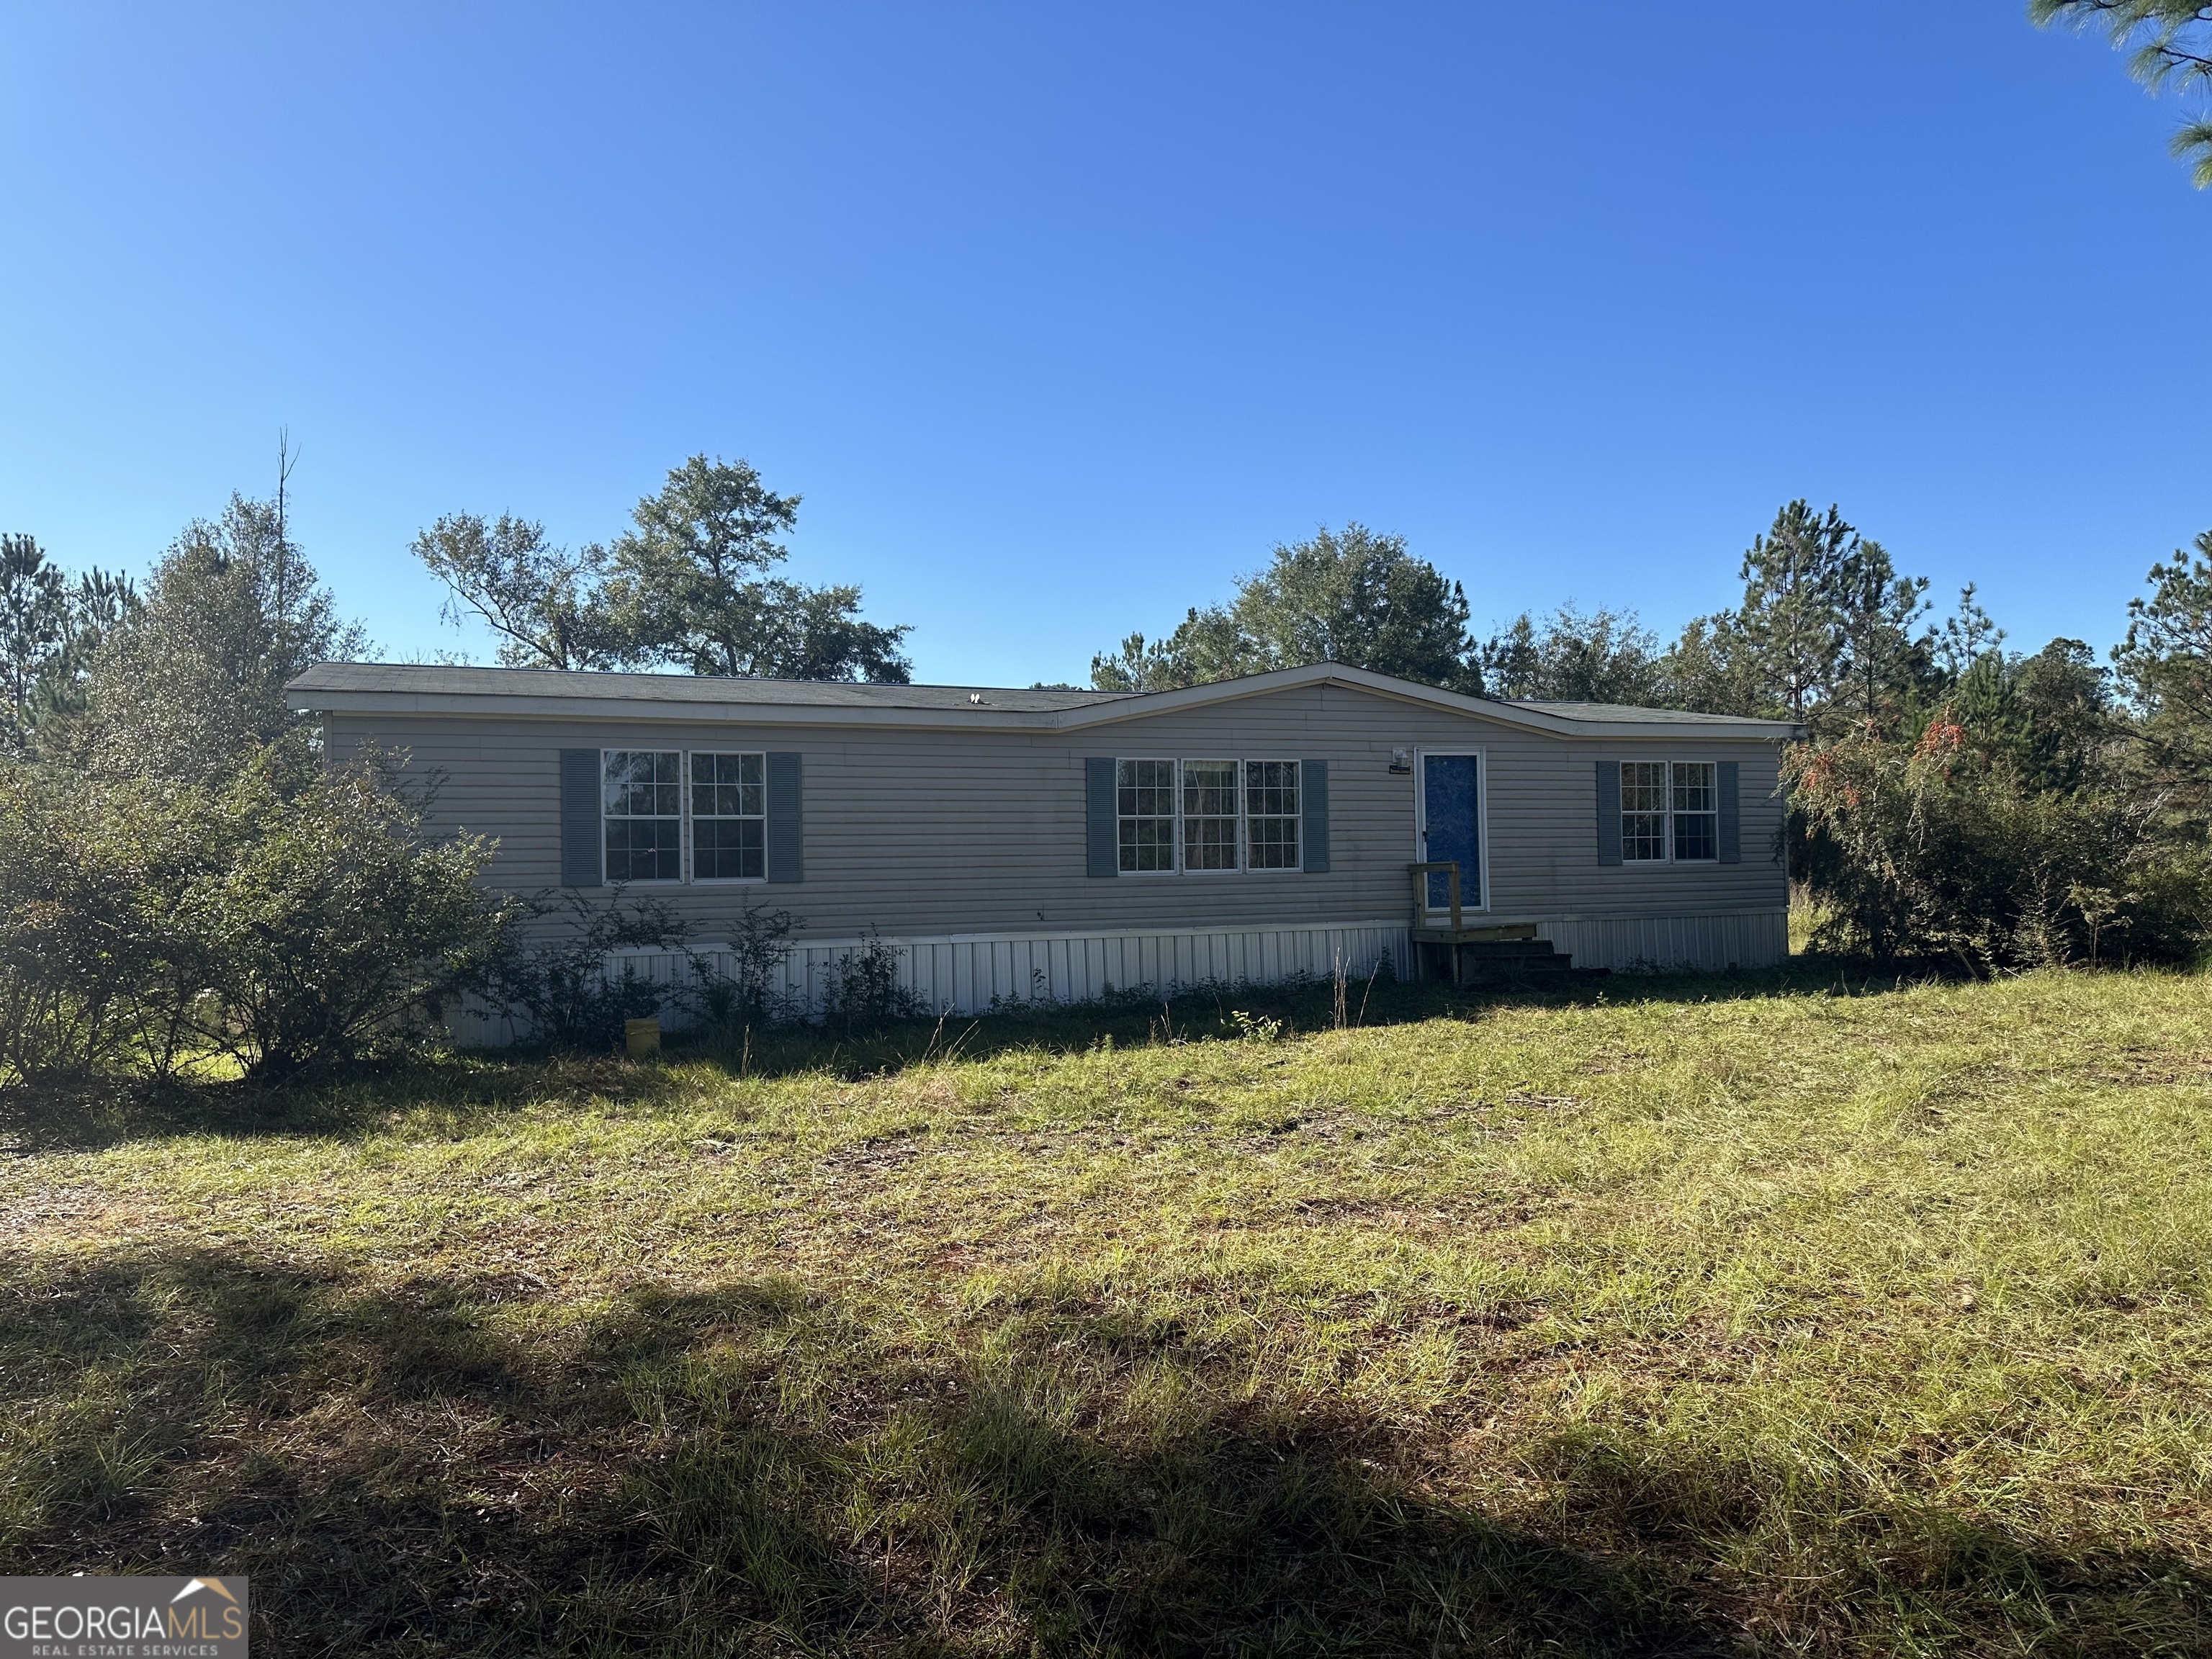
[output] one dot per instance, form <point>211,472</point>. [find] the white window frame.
<point>1244,815</point>
<point>691,816</point>
<point>1239,847</point>
<point>1173,813</point>
<point>1669,814</point>
<point>1675,814</point>
<point>1177,865</point>
<point>1481,816</point>
<point>681,816</point>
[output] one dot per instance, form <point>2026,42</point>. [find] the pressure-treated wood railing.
<point>1421,872</point>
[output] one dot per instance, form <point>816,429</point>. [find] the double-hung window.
<point>1697,812</point>
<point>1271,814</point>
<point>656,804</point>
<point>1669,813</point>
<point>1209,815</point>
<point>1146,789</point>
<point>729,817</point>
<point>1206,816</point>
<point>643,798</point>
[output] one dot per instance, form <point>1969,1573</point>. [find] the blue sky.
<point>1060,317</point>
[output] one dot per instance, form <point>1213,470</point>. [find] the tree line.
<point>1950,798</point>
<point>1826,626</point>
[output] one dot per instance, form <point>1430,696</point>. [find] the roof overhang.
<point>306,698</point>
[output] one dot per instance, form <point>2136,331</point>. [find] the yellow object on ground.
<point>642,1037</point>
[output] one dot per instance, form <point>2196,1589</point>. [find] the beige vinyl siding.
<point>928,831</point>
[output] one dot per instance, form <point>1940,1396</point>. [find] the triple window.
<point>651,797</point>
<point>1196,815</point>
<point>1669,813</point>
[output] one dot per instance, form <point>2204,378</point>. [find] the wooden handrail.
<point>1421,872</point>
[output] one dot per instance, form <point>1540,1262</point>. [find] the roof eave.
<point>1384,685</point>
<point>537,706</point>
<point>466,703</point>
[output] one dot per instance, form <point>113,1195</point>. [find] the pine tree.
<point>1791,620</point>
<point>1882,660</point>
<point>195,677</point>
<point>34,629</point>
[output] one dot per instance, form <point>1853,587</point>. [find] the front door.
<point>1451,827</point>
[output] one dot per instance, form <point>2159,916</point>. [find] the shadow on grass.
<point>452,1466</point>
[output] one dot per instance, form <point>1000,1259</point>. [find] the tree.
<point>285,917</point>
<point>50,630</point>
<point>195,679</point>
<point>33,629</point>
<point>1791,623</point>
<point>540,599</point>
<point>1601,656</point>
<point>1709,670</point>
<point>2166,664</point>
<point>1881,660</point>
<point>1348,596</point>
<point>689,586</point>
<point>1968,635</point>
<point>2173,42</point>
<point>1938,848</point>
<point>1207,646</point>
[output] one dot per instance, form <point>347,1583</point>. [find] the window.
<point>1209,815</point>
<point>1697,812</point>
<point>1147,809</point>
<point>1643,811</point>
<point>1271,814</point>
<point>643,801</point>
<point>1669,813</point>
<point>729,817</point>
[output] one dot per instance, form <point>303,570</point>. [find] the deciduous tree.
<point>541,600</point>
<point>1348,596</point>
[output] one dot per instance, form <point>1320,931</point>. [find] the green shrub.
<point>743,983</point>
<point>322,916</point>
<point>556,982</point>
<point>860,990</point>
<point>284,918</point>
<point>1935,848</point>
<point>75,960</point>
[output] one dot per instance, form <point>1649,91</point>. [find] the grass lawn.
<point>1719,1316</point>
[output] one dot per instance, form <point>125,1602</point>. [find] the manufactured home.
<point>1017,844</point>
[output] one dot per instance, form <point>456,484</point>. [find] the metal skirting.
<point>1755,938</point>
<point>972,974</point>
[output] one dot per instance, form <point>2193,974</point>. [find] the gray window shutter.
<point>1608,812</point>
<point>786,819</point>
<point>1731,814</point>
<point>1313,797</point>
<point>579,819</point>
<point>1102,855</point>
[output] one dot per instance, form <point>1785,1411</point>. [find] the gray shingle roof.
<point>1621,711</point>
<point>434,679</point>
<point>431,687</point>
